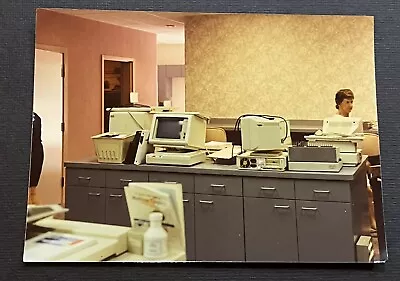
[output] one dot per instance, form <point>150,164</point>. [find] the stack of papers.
<point>217,145</point>
<point>38,212</point>
<point>52,246</point>
<point>226,153</point>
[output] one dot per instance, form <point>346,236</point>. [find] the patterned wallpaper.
<point>289,65</point>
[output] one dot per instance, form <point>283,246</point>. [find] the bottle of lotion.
<point>155,240</point>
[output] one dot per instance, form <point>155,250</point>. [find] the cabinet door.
<point>324,231</point>
<point>85,204</point>
<point>270,230</point>
<point>116,208</point>
<point>75,201</point>
<point>188,205</point>
<point>96,205</point>
<point>219,228</point>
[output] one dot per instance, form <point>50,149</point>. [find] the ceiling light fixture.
<point>170,25</point>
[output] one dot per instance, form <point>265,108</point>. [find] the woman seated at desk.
<point>344,99</point>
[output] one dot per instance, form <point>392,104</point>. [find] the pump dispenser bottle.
<point>155,240</point>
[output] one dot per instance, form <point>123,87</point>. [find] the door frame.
<point>64,109</point>
<point>133,80</point>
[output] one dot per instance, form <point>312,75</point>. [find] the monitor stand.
<point>176,157</point>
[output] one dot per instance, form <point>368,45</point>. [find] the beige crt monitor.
<point>130,119</point>
<point>343,126</point>
<point>178,130</point>
<point>264,134</point>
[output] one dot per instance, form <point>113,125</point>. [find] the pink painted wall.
<point>86,41</point>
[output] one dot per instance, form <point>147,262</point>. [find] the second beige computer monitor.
<point>178,130</point>
<point>129,120</point>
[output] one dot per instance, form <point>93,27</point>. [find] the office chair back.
<point>216,134</point>
<point>371,148</point>
<point>370,145</point>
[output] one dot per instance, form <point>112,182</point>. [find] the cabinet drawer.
<point>85,177</point>
<point>119,179</point>
<point>335,191</point>
<point>220,185</point>
<point>186,180</point>
<point>269,188</point>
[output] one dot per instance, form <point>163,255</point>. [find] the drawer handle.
<point>116,195</point>
<point>170,182</point>
<point>268,188</point>
<point>321,191</point>
<point>185,200</point>
<point>282,207</point>
<point>124,181</point>
<point>84,178</point>
<point>93,194</point>
<point>217,185</point>
<point>206,202</point>
<point>309,209</point>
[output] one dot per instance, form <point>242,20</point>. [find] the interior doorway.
<point>178,94</point>
<point>118,81</point>
<point>48,103</point>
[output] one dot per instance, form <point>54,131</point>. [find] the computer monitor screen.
<point>178,130</point>
<point>170,128</point>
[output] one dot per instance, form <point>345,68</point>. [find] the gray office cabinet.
<point>324,221</point>
<point>98,195</point>
<point>187,181</point>
<point>219,228</point>
<point>270,219</point>
<point>85,197</point>
<point>270,230</point>
<point>238,215</point>
<point>219,218</point>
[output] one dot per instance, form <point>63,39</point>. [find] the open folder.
<point>167,198</point>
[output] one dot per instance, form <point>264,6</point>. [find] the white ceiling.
<point>154,22</point>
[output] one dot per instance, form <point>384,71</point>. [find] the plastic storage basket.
<point>112,148</point>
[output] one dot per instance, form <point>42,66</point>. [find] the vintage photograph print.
<point>192,137</point>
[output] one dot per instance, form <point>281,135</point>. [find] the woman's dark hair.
<point>342,95</point>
